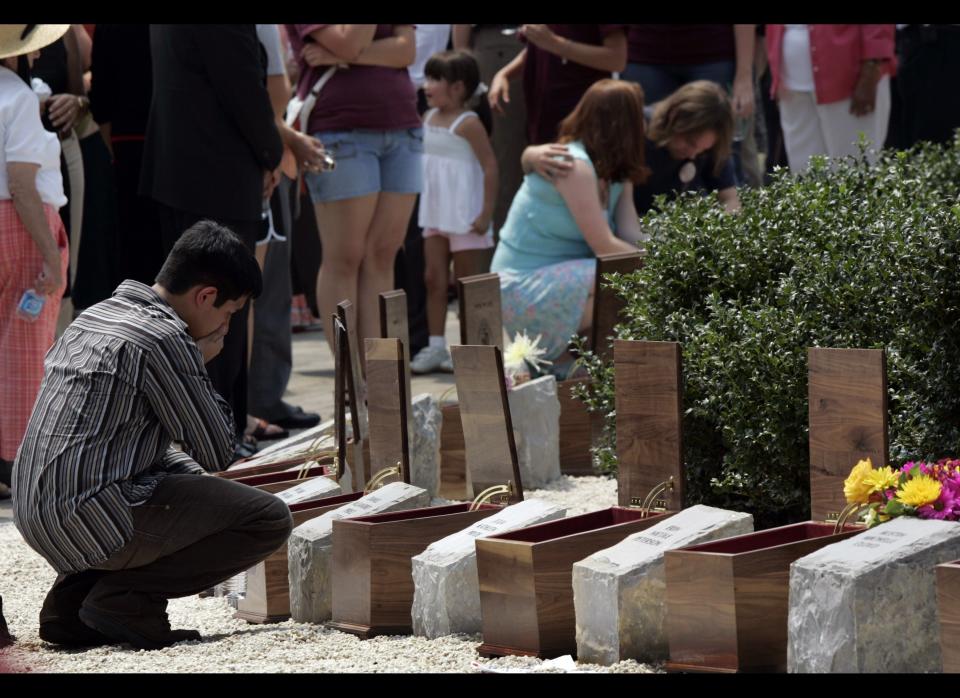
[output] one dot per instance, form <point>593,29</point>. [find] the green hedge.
<point>858,256</point>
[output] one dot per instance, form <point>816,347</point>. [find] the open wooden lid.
<point>607,305</point>
<point>648,392</point>
<point>344,386</point>
<point>395,323</point>
<point>481,322</point>
<point>847,390</point>
<point>348,317</point>
<point>491,452</point>
<point>387,407</point>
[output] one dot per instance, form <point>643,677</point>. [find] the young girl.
<point>459,186</point>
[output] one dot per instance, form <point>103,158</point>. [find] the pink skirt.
<point>462,241</point>
<point>23,344</point>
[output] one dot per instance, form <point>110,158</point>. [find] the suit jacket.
<point>211,132</point>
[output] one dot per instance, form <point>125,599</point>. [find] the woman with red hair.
<point>558,225</point>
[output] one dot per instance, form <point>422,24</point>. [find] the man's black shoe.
<point>298,419</point>
<point>72,634</point>
<point>142,633</point>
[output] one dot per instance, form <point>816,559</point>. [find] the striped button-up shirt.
<point>122,385</point>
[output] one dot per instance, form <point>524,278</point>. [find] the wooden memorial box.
<point>481,324</point>
<point>948,610</point>
<point>577,426</point>
<point>526,576</point>
<point>267,598</point>
<point>372,571</point>
<point>290,470</point>
<point>727,601</point>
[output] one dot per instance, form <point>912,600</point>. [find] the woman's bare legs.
<point>344,227</point>
<point>586,320</point>
<point>436,277</point>
<point>385,235</point>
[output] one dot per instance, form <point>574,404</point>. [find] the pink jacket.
<point>836,51</point>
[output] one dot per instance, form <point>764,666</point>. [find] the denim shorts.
<point>369,162</point>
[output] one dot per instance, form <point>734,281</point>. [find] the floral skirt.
<point>548,302</point>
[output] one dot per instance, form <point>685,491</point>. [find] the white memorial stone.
<point>426,421</point>
<point>535,413</point>
<point>446,597</point>
<point>868,603</point>
<point>310,490</point>
<point>619,593</point>
<point>310,548</point>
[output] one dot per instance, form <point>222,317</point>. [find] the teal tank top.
<point>540,229</point>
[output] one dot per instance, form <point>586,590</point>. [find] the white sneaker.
<point>431,359</point>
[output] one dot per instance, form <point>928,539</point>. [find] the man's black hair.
<point>208,254</point>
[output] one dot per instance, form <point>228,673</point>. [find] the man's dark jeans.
<point>194,532</point>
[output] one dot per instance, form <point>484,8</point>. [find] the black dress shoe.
<point>298,420</point>
<point>59,622</point>
<point>151,633</point>
<point>72,634</point>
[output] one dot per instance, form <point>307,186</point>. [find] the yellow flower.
<point>919,491</point>
<point>881,479</point>
<point>854,487</point>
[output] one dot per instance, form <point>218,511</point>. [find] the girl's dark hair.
<point>608,120</point>
<point>694,108</point>
<point>209,254</point>
<point>461,66</point>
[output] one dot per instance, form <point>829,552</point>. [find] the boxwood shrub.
<point>856,255</point>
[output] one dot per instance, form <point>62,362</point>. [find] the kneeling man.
<point>109,481</point>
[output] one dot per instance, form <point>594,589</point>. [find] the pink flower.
<point>947,506</point>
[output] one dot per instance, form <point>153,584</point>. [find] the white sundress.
<point>452,195</point>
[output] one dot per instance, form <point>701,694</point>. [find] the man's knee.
<point>276,519</point>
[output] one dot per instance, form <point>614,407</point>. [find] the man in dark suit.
<point>212,151</point>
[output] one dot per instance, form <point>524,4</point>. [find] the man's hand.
<point>212,344</point>
<point>271,178</point>
<point>864,97</point>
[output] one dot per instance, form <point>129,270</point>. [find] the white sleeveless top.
<point>452,195</point>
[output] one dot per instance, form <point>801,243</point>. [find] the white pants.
<point>830,129</point>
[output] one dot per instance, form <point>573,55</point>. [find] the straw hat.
<point>17,39</point>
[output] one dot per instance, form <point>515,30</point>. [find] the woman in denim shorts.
<point>366,117</point>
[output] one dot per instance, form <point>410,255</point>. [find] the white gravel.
<point>231,645</point>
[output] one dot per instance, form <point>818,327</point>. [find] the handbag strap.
<point>323,80</point>
<point>301,120</point>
